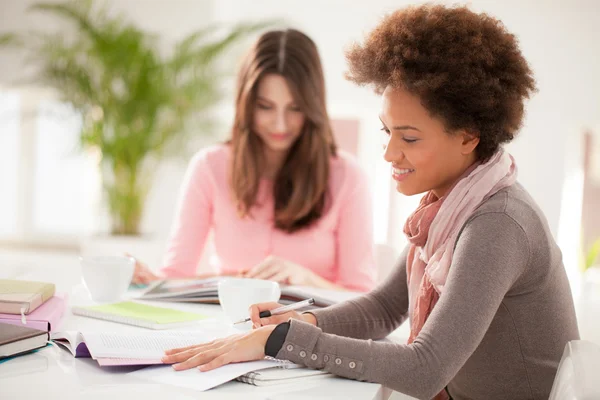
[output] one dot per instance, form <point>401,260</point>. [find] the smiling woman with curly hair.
<point>482,279</point>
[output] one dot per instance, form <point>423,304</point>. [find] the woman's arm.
<point>192,220</point>
<point>490,255</point>
<point>374,315</point>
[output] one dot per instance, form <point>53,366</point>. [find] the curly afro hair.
<point>466,68</point>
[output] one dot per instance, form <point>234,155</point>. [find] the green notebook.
<point>138,314</point>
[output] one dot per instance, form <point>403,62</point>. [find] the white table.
<point>53,373</point>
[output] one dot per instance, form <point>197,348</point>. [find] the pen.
<point>281,310</point>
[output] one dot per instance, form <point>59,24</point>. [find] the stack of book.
<point>31,304</point>
<point>28,311</point>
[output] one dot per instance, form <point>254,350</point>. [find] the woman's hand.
<point>142,274</point>
<point>283,271</point>
<point>257,322</point>
<point>232,349</point>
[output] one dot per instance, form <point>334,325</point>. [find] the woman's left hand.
<point>232,349</point>
<point>280,270</point>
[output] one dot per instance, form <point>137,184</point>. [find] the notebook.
<point>15,339</point>
<point>142,315</point>
<point>206,291</point>
<point>282,375</point>
<point>22,297</point>
<point>47,317</point>
<point>197,380</point>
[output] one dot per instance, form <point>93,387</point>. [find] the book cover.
<point>23,297</point>
<point>16,339</point>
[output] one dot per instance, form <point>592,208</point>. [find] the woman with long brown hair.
<point>283,203</point>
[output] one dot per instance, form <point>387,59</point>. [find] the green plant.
<point>7,39</point>
<point>137,106</point>
<point>592,255</point>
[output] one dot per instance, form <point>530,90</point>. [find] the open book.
<point>189,290</point>
<point>110,349</point>
<point>128,348</point>
<point>206,291</point>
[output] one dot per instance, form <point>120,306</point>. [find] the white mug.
<point>107,277</point>
<point>236,295</point>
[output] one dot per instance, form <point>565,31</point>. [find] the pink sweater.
<point>338,247</point>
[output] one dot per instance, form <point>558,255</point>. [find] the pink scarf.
<point>432,230</point>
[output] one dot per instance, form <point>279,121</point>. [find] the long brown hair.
<point>300,187</point>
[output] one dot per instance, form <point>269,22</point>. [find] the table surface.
<point>53,373</point>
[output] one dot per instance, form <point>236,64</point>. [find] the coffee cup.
<point>107,278</point>
<point>236,295</point>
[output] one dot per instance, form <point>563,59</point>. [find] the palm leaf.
<point>9,39</point>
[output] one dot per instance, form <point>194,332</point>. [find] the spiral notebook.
<point>200,381</point>
<point>142,315</point>
<point>285,373</point>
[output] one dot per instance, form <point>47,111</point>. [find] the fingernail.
<point>175,366</point>
<point>164,359</point>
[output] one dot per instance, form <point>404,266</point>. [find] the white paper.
<point>150,345</point>
<point>197,380</point>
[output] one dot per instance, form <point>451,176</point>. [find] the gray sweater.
<point>497,332</point>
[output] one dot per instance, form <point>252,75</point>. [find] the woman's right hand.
<point>257,322</point>
<point>142,274</point>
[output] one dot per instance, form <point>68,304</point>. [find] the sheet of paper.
<point>151,345</point>
<point>197,380</point>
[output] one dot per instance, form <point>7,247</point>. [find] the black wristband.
<point>276,339</point>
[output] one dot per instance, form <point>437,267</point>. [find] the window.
<point>59,174</point>
<point>47,182</point>
<point>9,162</point>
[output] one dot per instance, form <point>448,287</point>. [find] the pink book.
<point>46,317</point>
